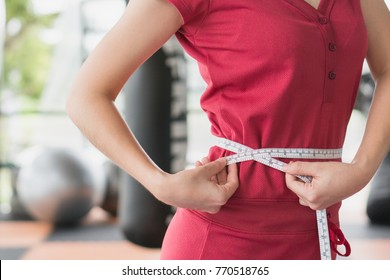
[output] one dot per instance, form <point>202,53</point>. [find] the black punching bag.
<point>155,110</point>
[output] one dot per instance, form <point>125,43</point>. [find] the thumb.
<point>214,167</point>
<point>300,168</point>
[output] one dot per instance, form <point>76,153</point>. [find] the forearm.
<point>99,120</point>
<point>376,140</point>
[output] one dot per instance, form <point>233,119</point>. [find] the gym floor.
<point>99,236</point>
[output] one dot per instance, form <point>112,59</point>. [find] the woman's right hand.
<point>207,187</point>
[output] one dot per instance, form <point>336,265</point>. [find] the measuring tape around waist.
<point>267,157</point>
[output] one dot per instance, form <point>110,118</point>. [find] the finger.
<point>222,176</point>
<point>232,181</point>
<point>296,185</point>
<point>213,178</point>
<point>225,191</point>
<point>232,175</point>
<point>201,162</point>
<point>205,160</point>
<point>213,210</point>
<point>214,167</point>
<point>301,168</point>
<point>303,202</point>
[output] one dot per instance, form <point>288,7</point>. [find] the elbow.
<point>76,100</point>
<point>75,105</point>
<point>71,105</point>
<point>377,77</point>
<point>83,101</point>
<point>379,71</point>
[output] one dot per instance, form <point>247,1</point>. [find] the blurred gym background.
<point>60,198</point>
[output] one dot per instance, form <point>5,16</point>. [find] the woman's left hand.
<point>331,182</point>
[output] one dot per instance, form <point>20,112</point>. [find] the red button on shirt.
<point>332,47</point>
<point>323,20</point>
<point>332,75</point>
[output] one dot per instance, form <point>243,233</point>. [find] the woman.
<point>280,74</point>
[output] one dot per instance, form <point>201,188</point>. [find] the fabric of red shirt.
<point>279,74</point>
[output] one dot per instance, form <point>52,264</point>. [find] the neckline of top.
<point>315,8</point>
<point>323,10</point>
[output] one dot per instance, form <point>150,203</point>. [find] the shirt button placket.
<point>332,74</point>
<point>331,49</point>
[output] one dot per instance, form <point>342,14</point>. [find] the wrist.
<point>365,168</point>
<point>156,183</point>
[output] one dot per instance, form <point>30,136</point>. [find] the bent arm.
<point>144,27</point>
<point>376,140</point>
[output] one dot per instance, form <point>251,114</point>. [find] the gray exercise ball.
<point>56,185</point>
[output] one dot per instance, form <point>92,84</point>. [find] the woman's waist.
<point>292,151</point>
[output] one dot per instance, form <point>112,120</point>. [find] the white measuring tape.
<point>267,157</point>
